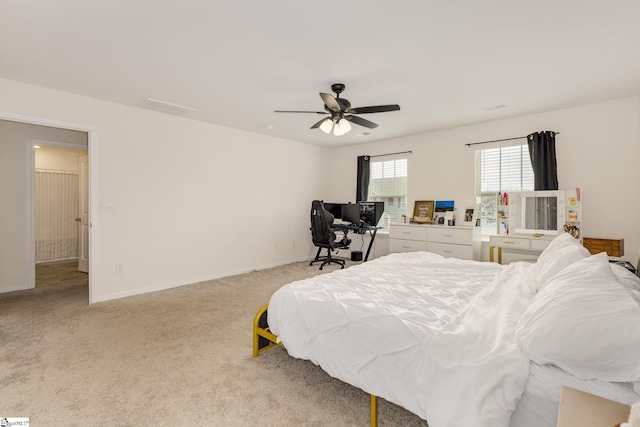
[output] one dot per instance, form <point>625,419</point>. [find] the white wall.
<point>598,150</point>
<point>189,201</point>
<point>57,158</point>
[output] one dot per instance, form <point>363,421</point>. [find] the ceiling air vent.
<point>166,107</point>
<point>495,107</point>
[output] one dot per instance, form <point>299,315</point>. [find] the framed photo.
<point>423,211</point>
<point>470,216</point>
<point>440,215</point>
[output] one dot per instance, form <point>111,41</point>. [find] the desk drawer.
<point>539,244</point>
<point>509,242</point>
<point>451,235</point>
<point>451,251</point>
<point>401,245</point>
<point>408,232</point>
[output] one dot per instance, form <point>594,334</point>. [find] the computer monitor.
<point>334,209</point>
<point>371,212</point>
<point>351,213</point>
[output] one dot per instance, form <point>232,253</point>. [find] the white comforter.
<point>432,334</point>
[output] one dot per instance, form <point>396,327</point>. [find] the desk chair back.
<point>322,233</point>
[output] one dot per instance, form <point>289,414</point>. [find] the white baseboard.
<point>191,281</point>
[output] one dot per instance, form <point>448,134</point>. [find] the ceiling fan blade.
<point>362,122</point>
<point>330,102</point>
<point>375,109</point>
<point>312,112</point>
<point>317,125</point>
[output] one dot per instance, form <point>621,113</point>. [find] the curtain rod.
<point>500,140</point>
<point>391,154</point>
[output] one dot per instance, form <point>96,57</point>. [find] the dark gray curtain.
<point>542,151</point>
<point>362,180</point>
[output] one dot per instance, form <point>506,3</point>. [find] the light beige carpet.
<point>180,357</point>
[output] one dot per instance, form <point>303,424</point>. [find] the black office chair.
<point>324,236</point>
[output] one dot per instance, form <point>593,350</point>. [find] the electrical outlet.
<point>119,268</point>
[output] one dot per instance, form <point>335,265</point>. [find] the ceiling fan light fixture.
<point>326,126</point>
<point>341,113</point>
<point>343,125</point>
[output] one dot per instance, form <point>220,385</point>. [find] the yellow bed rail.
<point>264,339</point>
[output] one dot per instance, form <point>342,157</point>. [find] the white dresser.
<point>455,242</point>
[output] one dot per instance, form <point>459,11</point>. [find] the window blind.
<point>503,169</point>
<point>500,170</point>
<point>388,184</point>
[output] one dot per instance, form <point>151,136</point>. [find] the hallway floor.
<point>60,273</point>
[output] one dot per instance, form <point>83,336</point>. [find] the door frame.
<point>91,152</point>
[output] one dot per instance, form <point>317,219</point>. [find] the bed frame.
<point>264,339</point>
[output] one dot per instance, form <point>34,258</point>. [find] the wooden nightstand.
<point>613,247</point>
<point>581,409</point>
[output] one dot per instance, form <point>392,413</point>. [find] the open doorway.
<point>60,202</point>
<point>18,135</point>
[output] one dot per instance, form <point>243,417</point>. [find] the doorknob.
<point>78,219</point>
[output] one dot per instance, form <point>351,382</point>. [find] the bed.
<point>464,342</point>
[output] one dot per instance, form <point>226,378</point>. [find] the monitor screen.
<point>351,213</point>
<point>334,209</point>
<point>371,212</point>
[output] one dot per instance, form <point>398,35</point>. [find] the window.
<point>388,184</point>
<point>500,170</point>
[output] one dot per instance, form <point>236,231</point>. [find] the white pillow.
<point>584,322</point>
<point>561,240</point>
<point>563,251</point>
<point>625,277</point>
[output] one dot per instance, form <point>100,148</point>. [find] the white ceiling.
<point>446,63</point>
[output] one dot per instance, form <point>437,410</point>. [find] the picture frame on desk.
<point>423,211</point>
<point>441,215</point>
<point>470,217</point>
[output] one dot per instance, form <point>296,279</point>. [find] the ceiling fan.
<point>342,113</point>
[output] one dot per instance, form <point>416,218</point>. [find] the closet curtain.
<point>542,151</point>
<point>362,180</point>
<point>56,207</point>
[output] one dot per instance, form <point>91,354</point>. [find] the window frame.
<point>391,214</point>
<point>505,165</point>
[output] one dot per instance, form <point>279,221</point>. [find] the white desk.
<point>532,244</point>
